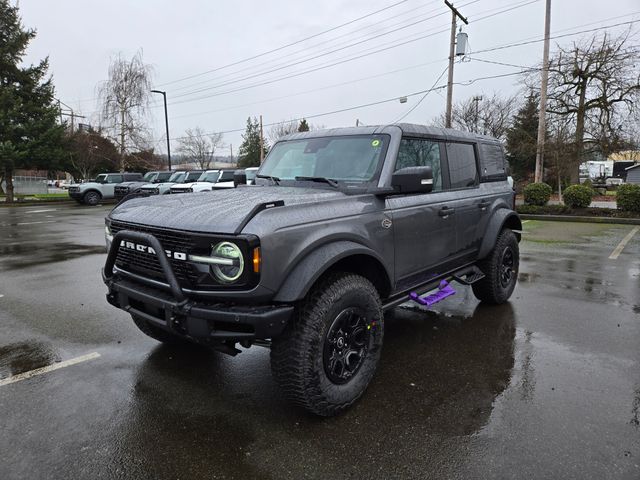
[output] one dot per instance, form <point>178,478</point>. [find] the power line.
<point>287,45</point>
<point>423,97</point>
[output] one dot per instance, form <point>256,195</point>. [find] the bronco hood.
<point>220,211</point>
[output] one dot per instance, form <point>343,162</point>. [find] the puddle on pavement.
<point>27,255</point>
<point>21,357</point>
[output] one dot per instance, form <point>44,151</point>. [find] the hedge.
<point>628,197</point>
<point>578,196</point>
<point>537,194</point>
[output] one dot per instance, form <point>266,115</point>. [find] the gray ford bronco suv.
<point>341,225</point>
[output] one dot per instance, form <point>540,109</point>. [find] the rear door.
<point>109,187</point>
<point>424,234</point>
<point>471,203</point>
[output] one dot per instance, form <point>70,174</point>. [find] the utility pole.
<point>543,97</point>
<point>454,14</point>
<point>73,116</point>
<point>261,142</point>
<point>231,148</point>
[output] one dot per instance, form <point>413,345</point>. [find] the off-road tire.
<point>492,289</point>
<point>157,333</point>
<point>91,198</point>
<point>298,355</point>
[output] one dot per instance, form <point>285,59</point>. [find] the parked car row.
<point>108,186</point>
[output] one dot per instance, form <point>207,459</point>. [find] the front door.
<point>424,233</point>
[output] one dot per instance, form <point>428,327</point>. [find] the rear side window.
<point>492,163</point>
<point>416,152</point>
<point>463,171</point>
<point>114,179</point>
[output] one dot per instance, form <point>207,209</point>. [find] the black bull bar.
<point>181,315</point>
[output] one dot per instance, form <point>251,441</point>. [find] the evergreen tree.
<point>522,139</point>
<point>304,126</point>
<point>249,154</point>
<point>30,136</point>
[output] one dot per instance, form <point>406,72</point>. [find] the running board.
<point>468,276</point>
<point>444,290</point>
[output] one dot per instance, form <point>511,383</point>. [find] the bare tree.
<point>484,115</point>
<point>281,129</point>
<point>125,101</point>
<point>200,147</point>
<point>596,85</point>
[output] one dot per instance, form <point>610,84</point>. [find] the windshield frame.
<point>177,175</point>
<point>342,184</point>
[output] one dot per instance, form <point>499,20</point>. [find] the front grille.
<point>147,264</point>
<point>121,192</point>
<point>74,189</point>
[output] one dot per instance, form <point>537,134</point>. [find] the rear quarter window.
<point>493,165</point>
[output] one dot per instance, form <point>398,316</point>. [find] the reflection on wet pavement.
<point>17,358</point>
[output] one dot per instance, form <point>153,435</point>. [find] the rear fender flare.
<point>310,268</point>
<point>502,218</point>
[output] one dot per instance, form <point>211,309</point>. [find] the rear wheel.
<point>92,198</point>
<point>328,354</point>
<point>157,333</point>
<point>500,269</point>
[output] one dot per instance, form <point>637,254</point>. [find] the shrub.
<point>628,197</point>
<point>578,196</point>
<point>537,194</point>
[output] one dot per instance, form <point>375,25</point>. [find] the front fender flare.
<point>307,271</point>
<point>501,218</point>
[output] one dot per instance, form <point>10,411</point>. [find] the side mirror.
<point>239,178</point>
<point>413,180</point>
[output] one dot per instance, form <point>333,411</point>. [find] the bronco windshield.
<point>177,177</point>
<point>149,177</point>
<point>353,158</point>
<point>211,177</point>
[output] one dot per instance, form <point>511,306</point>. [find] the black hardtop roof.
<point>406,129</point>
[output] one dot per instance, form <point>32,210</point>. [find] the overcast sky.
<point>188,38</point>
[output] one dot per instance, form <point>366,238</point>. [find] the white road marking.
<point>623,243</point>
<point>50,368</point>
<point>1,295</point>
<point>42,211</point>
<point>524,221</point>
<point>34,223</point>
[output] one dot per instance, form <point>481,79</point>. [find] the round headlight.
<point>230,251</point>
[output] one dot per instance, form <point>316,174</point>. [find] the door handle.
<point>484,204</point>
<point>446,211</point>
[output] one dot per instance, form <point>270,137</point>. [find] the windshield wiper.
<point>330,181</point>
<point>275,180</point>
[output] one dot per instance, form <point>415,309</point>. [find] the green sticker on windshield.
<point>375,143</point>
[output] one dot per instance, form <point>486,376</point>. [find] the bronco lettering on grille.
<point>146,249</point>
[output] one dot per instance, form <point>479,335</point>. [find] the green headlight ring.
<point>228,274</point>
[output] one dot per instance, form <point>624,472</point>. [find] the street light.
<point>166,123</point>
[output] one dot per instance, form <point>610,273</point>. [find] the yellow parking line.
<point>623,243</point>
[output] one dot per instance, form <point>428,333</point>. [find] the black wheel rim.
<point>346,345</point>
<point>507,268</point>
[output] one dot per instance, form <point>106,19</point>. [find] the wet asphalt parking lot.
<point>546,386</point>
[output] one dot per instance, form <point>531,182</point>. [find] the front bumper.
<point>203,322</point>
<point>75,194</point>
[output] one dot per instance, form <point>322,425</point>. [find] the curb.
<point>569,218</point>
<point>31,203</point>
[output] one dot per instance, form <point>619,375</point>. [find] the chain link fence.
<point>27,185</point>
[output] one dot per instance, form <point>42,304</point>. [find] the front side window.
<point>415,152</point>
<point>353,158</point>
<point>101,179</point>
<point>226,176</point>
<point>463,171</point>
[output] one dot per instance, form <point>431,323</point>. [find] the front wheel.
<point>500,269</point>
<point>91,198</point>
<point>328,354</point>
